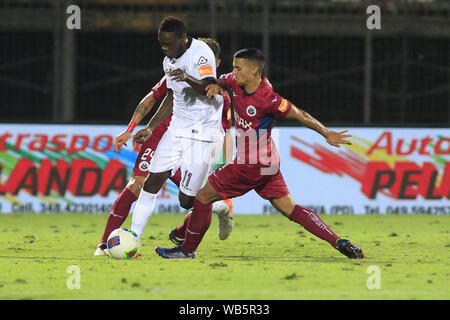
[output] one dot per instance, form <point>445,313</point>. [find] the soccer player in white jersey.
<point>194,137</point>
<point>149,138</point>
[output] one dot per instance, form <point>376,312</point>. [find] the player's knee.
<point>284,204</point>
<point>186,202</point>
<point>154,182</point>
<point>151,187</point>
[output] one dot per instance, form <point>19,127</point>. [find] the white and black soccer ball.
<point>123,244</point>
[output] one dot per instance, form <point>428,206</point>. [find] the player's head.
<point>215,47</point>
<point>247,65</point>
<point>172,37</point>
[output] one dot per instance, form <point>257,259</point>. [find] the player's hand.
<point>121,139</point>
<point>178,75</point>
<point>142,135</point>
<point>213,89</point>
<point>337,138</point>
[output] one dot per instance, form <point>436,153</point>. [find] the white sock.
<point>143,210</point>
<point>220,207</point>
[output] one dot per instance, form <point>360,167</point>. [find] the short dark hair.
<point>252,54</point>
<point>213,44</point>
<point>173,24</point>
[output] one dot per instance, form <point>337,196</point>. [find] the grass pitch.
<point>266,257</point>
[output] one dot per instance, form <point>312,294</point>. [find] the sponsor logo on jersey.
<point>202,60</point>
<point>283,105</point>
<point>242,122</point>
<point>205,71</point>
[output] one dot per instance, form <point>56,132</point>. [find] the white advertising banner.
<point>385,170</point>
<point>74,168</point>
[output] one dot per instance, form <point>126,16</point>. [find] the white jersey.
<point>194,115</point>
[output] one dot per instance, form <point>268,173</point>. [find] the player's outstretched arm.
<point>332,137</point>
<point>197,84</point>
<point>165,110</point>
<point>140,112</point>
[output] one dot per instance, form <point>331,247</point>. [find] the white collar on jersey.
<point>188,45</point>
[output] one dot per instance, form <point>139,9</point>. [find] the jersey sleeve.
<point>226,112</point>
<point>230,80</point>
<point>280,106</point>
<point>204,63</point>
<point>160,89</point>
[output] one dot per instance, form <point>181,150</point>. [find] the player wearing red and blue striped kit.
<point>256,167</point>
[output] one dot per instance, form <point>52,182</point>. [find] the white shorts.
<point>195,159</point>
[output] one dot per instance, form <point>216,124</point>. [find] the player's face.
<point>171,45</point>
<point>242,70</point>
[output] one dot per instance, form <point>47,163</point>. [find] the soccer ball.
<point>123,244</point>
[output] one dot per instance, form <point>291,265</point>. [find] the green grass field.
<point>266,257</point>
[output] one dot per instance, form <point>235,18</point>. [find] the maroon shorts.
<point>233,180</point>
<point>146,152</point>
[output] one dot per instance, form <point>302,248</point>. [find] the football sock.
<point>143,210</point>
<point>219,207</point>
<point>199,223</point>
<point>119,212</point>
<point>181,229</point>
<point>312,222</point>
<point>176,178</point>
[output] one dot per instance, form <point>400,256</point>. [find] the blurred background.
<point>320,55</point>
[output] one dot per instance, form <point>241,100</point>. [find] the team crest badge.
<point>144,166</point>
<point>251,111</point>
